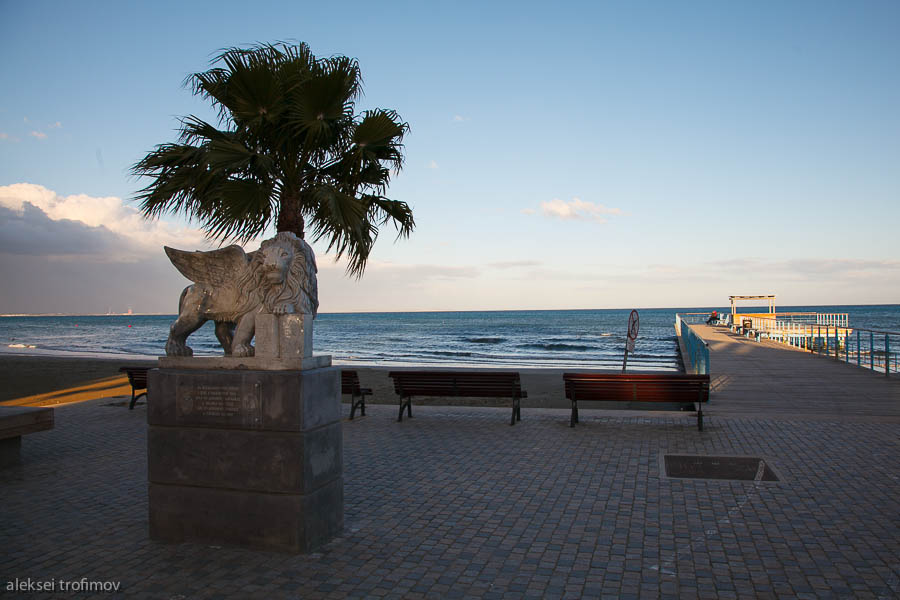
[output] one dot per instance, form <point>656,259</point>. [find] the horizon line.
<point>354,312</point>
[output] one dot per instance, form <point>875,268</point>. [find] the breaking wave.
<point>484,340</point>
<point>558,347</point>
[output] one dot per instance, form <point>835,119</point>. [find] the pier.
<point>769,379</point>
<point>825,334</point>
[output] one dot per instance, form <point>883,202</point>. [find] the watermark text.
<point>72,586</point>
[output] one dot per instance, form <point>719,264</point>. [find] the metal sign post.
<point>634,325</point>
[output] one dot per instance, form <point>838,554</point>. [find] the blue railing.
<point>697,350</point>
<point>873,349</point>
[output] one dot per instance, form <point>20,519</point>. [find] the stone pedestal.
<point>244,456</point>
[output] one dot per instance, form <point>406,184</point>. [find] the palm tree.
<point>288,147</point>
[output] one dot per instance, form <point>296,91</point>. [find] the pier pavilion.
<point>819,332</point>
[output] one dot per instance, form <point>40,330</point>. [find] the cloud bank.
<point>73,225</point>
<point>575,210</point>
<point>85,254</point>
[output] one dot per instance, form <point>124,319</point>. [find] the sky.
<point>560,155</point>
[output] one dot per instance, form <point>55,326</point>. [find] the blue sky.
<point>561,155</point>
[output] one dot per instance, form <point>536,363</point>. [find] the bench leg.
<point>574,418</point>
<point>518,409</point>
<point>360,403</point>
<point>134,399</point>
<point>408,405</point>
<point>699,416</point>
<point>515,406</point>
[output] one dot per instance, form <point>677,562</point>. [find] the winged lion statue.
<point>231,287</point>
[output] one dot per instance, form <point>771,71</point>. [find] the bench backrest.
<point>639,387</point>
<point>137,376</point>
<point>350,383</point>
<point>500,384</point>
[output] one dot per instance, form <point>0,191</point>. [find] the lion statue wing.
<point>215,267</point>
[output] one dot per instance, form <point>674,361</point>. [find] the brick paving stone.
<point>456,504</point>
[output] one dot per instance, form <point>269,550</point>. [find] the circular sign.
<point>634,325</point>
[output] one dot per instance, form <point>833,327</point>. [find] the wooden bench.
<point>16,421</point>
<point>137,377</point>
<point>350,385</point>
<point>458,384</point>
<point>637,387</point>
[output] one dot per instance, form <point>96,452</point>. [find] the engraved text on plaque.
<point>217,405</point>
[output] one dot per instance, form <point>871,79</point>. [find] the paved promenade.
<point>455,503</point>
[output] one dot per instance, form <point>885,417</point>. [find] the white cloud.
<point>577,210</point>
<point>814,269</point>
<point>39,135</point>
<point>528,211</point>
<point>3,135</point>
<point>108,214</point>
<point>432,165</point>
<point>459,118</point>
<point>56,125</point>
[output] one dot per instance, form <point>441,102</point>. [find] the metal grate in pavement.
<point>740,468</point>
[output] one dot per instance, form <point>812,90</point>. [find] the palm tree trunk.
<point>289,217</point>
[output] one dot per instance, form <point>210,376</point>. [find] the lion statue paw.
<point>173,348</point>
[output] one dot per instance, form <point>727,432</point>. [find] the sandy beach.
<point>50,380</point>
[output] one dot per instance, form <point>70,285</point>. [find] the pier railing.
<point>811,318</point>
<point>873,349</point>
<point>693,344</point>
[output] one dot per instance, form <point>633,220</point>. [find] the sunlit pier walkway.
<point>771,380</point>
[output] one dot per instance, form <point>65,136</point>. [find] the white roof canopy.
<point>769,298</point>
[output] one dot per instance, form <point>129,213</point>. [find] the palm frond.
<point>383,211</point>
<point>288,146</point>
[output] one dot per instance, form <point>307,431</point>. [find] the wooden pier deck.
<point>768,379</point>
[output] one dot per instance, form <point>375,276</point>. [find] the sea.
<point>510,339</point>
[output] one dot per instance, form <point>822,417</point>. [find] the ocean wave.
<point>21,346</point>
<point>600,338</point>
<point>484,340</point>
<point>558,347</point>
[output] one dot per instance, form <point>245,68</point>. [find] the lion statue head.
<point>281,276</point>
